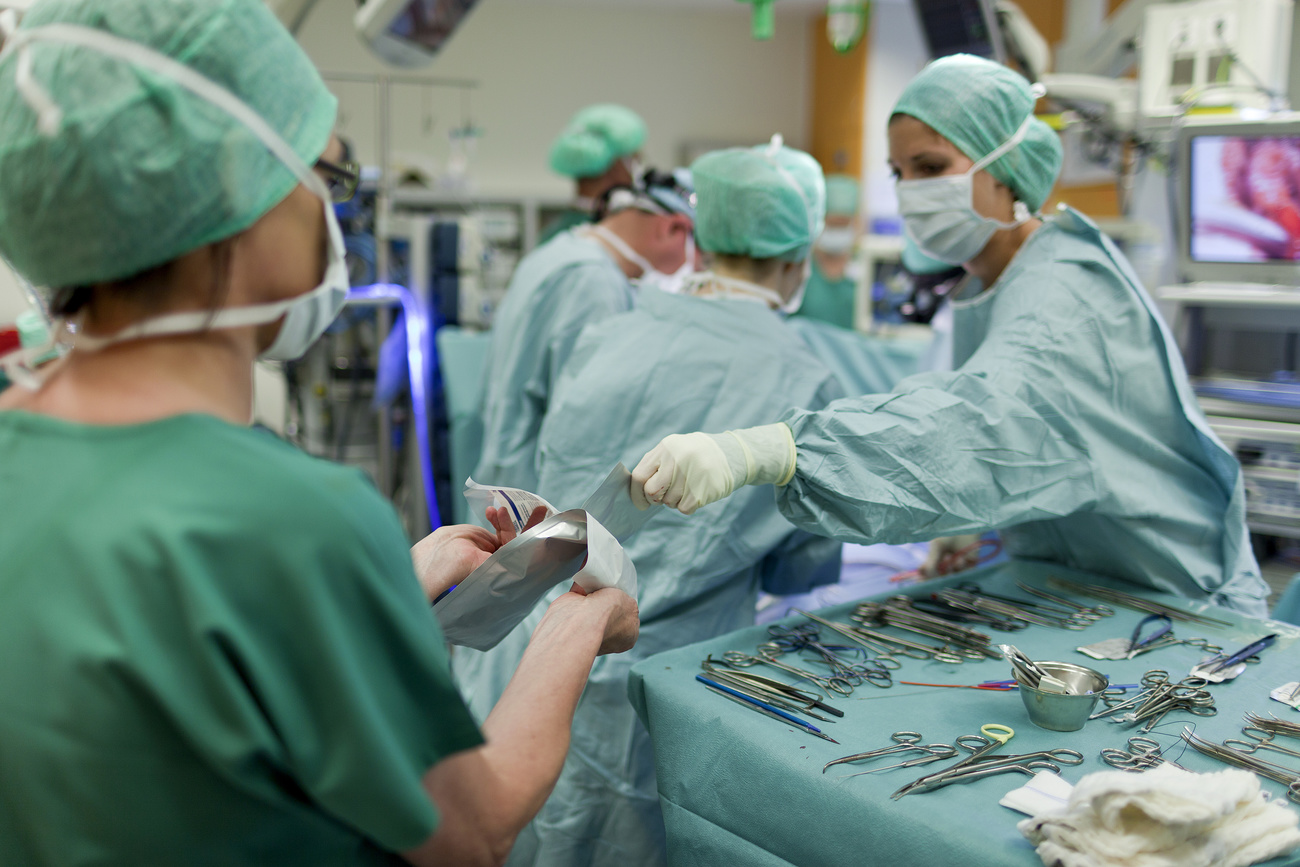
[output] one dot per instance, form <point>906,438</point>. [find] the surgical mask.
<point>306,316</point>
<point>939,213</point>
<point>674,282</point>
<point>836,240</point>
<point>650,277</point>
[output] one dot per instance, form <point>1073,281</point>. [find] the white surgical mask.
<point>649,277</point>
<point>836,240</point>
<point>306,316</point>
<point>939,213</point>
<point>672,283</point>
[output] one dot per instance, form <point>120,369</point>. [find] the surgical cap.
<point>594,138</point>
<point>841,195</point>
<point>763,202</point>
<point>140,170</point>
<point>977,105</point>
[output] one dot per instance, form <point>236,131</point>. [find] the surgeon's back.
<point>675,363</point>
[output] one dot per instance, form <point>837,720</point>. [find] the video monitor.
<point>1239,209</point>
<point>410,32</point>
<point>960,27</point>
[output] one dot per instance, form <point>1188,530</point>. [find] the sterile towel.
<point>1165,817</point>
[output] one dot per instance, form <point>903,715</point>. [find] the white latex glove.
<point>944,558</point>
<point>686,471</point>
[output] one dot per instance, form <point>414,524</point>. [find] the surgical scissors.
<point>991,737</point>
<point>1142,754</point>
<point>903,742</point>
<point>1259,740</point>
<point>1061,756</point>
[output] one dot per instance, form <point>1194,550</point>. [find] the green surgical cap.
<point>764,202</point>
<point>597,135</point>
<point>977,105</point>
<point>841,195</point>
<point>141,170</point>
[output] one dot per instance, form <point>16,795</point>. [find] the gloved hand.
<point>946,556</point>
<point>686,471</point>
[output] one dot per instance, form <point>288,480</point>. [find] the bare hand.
<point>623,624</point>
<point>446,556</point>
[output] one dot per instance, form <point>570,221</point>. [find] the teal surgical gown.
<point>863,363</point>
<point>567,219</point>
<point>827,300</point>
<point>556,290</point>
<point>675,364</point>
<point>215,652</point>
<point>1068,424</point>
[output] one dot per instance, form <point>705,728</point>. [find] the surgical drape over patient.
<point>133,166</point>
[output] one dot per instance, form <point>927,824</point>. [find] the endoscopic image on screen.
<point>1244,195</point>
<point>429,22</point>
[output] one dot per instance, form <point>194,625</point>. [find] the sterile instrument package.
<point>579,545</point>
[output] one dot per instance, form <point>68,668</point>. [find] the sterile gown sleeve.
<point>1068,425</point>
<point>989,445</point>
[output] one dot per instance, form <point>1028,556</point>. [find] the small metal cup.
<point>1064,712</point>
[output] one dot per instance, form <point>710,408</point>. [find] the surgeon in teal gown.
<point>1067,422</point>
<point>833,281</point>
<point>716,357</point>
<point>581,276</point>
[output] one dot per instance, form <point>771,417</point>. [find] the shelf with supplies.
<point>1240,343</point>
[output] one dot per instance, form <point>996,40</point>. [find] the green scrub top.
<point>828,300</point>
<point>216,652</point>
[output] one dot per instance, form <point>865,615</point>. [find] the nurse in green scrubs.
<point>832,283</point>
<point>218,649</point>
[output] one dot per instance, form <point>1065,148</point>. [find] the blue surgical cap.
<point>138,170</point>
<point>977,105</point>
<point>763,202</point>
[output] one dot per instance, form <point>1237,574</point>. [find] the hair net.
<point>594,138</point>
<point>977,105</point>
<point>841,195</point>
<point>763,202</point>
<point>140,170</point>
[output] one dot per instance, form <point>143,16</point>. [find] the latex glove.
<point>945,557</point>
<point>687,471</point>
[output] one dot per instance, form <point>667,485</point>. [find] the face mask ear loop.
<point>49,117</point>
<point>1020,211</point>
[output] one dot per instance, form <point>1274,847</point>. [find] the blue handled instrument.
<point>1245,653</point>
<point>763,707</point>
<point>1136,642</point>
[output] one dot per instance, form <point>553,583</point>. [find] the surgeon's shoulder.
<point>277,486</point>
